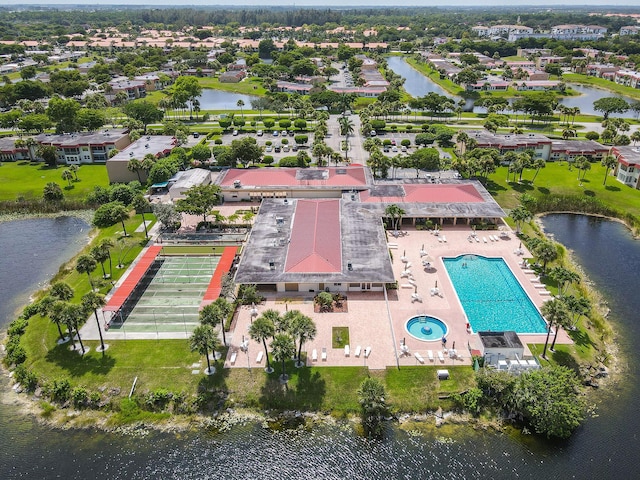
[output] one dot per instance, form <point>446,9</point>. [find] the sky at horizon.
<point>336,3</point>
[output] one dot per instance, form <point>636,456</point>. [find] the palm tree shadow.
<point>612,188</point>
<point>566,359</point>
<point>304,390</point>
<point>77,365</point>
<point>214,387</point>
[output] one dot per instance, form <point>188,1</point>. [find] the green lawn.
<point>27,180</point>
<point>557,178</point>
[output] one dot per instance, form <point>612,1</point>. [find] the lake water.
<point>419,85</point>
<point>606,446</point>
<point>220,100</point>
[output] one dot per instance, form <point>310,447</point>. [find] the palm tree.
<point>72,315</point>
<point>394,212</point>
<point>74,169</point>
<point>577,306</point>
<point>564,277</point>
<point>547,252</point>
<point>240,104</point>
<point>47,306</point>
<point>538,163</point>
<point>202,340</point>
<point>303,328</point>
<point>120,213</point>
<point>140,204</point>
<point>520,214</point>
<point>554,311</point>
<point>582,164</point>
<point>86,264</point>
<point>67,175</point>
<point>215,314</point>
<point>283,347</point>
<point>94,301</point>
<point>56,312</point>
<point>346,129</point>
<point>134,165</point>
<point>61,291</point>
<point>261,329</point>
<point>608,163</point>
<point>106,244</point>
<point>100,255</point>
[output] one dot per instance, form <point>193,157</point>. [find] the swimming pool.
<point>491,296</point>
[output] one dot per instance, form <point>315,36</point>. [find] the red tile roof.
<point>315,245</point>
<point>215,285</point>
<point>462,193</point>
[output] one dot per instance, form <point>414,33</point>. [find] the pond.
<point>220,100</point>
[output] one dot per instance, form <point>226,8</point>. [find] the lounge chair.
<point>430,355</point>
<point>314,355</point>
<point>434,292</point>
<point>440,357</point>
<point>367,352</point>
<point>232,360</point>
<point>444,239</point>
<point>418,357</point>
<point>477,239</point>
<point>358,350</point>
<point>484,239</point>
<point>439,239</point>
<point>346,350</point>
<point>259,356</point>
<point>415,297</point>
<point>324,354</point>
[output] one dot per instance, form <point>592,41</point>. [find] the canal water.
<point>419,85</point>
<point>606,446</point>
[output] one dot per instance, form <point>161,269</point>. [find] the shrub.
<point>158,399</point>
<point>267,159</point>
<point>17,327</point>
<point>79,397</point>
<point>218,141</point>
<point>60,390</point>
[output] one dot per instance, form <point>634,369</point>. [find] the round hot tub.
<point>426,328</point>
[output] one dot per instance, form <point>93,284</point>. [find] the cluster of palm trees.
<point>204,338</point>
<point>283,330</point>
<point>58,307</point>
<point>144,165</point>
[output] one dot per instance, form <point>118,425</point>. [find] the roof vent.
<point>350,266</point>
<point>286,201</point>
<point>272,265</point>
<point>237,184</point>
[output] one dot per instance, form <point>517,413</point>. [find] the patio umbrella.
<point>476,365</point>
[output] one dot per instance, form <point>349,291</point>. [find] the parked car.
<point>196,135</point>
<point>403,148</point>
<point>373,133</point>
<point>259,133</point>
<point>292,133</point>
<point>269,148</point>
<point>285,148</point>
<point>393,141</point>
<point>235,133</point>
<point>276,133</point>
<point>394,149</point>
<point>276,149</point>
<point>294,148</point>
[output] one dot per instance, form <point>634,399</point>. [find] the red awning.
<point>215,285</point>
<point>126,288</point>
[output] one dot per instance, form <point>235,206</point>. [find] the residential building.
<point>10,153</point>
<point>629,30</point>
<point>628,168</point>
<point>79,148</point>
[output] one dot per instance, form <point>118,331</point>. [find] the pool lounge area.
<point>492,297</point>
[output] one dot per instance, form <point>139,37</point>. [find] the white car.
<point>268,149</point>
<point>394,148</point>
<point>235,133</point>
<point>259,133</point>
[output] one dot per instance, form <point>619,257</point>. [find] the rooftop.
<point>75,139</point>
<point>152,144</point>
<point>315,241</point>
<point>500,340</point>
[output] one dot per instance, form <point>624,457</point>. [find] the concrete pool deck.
<point>380,324</point>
